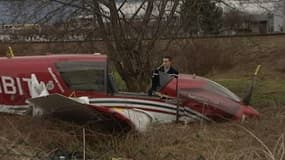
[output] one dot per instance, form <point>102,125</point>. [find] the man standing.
<point>165,67</point>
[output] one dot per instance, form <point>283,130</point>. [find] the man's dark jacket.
<point>155,77</point>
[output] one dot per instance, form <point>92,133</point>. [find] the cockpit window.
<point>164,79</point>
<point>83,76</point>
<point>219,89</point>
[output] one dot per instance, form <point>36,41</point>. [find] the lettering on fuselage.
<point>15,85</point>
<point>10,85</point>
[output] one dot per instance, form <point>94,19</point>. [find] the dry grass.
<point>27,138</point>
<point>254,139</point>
<point>200,56</point>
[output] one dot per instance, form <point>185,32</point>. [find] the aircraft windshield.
<point>211,86</point>
<point>219,89</point>
<point>164,78</point>
<point>83,76</point>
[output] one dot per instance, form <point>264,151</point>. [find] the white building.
<point>279,16</point>
<point>271,11</point>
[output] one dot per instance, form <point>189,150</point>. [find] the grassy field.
<point>266,92</point>
<point>255,139</point>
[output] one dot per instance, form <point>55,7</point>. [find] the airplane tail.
<point>36,88</point>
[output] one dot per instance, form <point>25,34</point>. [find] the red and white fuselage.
<point>82,81</point>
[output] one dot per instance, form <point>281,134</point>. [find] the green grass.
<point>266,92</point>
<point>119,82</point>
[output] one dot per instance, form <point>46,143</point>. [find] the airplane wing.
<point>64,108</point>
<point>76,110</point>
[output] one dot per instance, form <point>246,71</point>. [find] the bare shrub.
<point>202,56</point>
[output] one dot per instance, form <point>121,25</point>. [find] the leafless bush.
<point>202,56</point>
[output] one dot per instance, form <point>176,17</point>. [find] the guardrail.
<point>161,38</point>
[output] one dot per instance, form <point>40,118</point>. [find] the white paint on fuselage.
<point>15,109</point>
<point>160,111</point>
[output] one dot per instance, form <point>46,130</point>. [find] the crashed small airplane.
<point>78,87</point>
